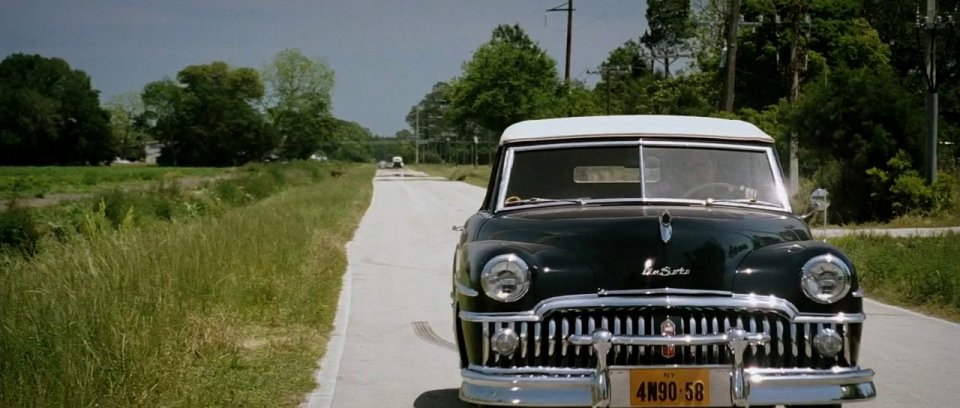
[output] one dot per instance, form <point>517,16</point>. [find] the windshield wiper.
<point>752,201</point>
<point>537,200</point>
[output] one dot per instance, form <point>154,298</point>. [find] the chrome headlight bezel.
<point>826,270</point>
<point>505,269</point>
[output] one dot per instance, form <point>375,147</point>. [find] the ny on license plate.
<point>679,387</point>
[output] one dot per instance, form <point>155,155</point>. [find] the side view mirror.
<point>819,202</point>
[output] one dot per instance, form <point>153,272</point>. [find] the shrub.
<point>18,231</point>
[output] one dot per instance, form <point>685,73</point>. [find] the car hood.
<point>623,248</point>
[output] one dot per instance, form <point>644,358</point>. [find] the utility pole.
<point>733,22</point>
<point>569,9</point>
<point>796,65</point>
<point>931,23</point>
<point>417,137</point>
<point>605,72</point>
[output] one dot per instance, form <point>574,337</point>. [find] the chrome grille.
<point>546,343</point>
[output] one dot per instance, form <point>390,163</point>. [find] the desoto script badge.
<point>665,271</point>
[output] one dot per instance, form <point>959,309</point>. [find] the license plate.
<point>678,387</point>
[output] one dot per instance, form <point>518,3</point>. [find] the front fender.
<point>553,272</point>
<point>776,270</point>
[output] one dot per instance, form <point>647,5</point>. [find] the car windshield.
<point>670,172</point>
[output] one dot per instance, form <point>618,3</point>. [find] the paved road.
<point>395,343</point>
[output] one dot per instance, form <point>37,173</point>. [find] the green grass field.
<point>31,182</point>
<point>920,273</point>
<point>222,310</point>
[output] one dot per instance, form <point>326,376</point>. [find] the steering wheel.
<point>511,200</point>
<point>707,186</point>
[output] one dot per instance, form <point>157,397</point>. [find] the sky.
<point>386,55</point>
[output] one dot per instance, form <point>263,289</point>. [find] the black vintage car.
<point>636,261</point>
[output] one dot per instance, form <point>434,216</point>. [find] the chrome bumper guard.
<point>591,387</point>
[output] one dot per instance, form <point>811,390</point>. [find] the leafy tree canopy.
<point>50,114</point>
<point>207,118</point>
<point>670,27</point>
<point>128,135</point>
<point>509,79</point>
<point>299,91</point>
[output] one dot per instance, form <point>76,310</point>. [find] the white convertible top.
<point>647,126</point>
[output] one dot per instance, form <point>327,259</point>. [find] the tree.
<point>207,117</point>
<point>50,114</point>
<point>299,91</point>
<point>857,120</point>
<point>351,142</point>
<point>624,77</point>
<point>670,28</point>
<point>128,135</point>
<point>509,79</point>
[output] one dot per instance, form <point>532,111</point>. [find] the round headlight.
<point>505,278</point>
<point>825,279</point>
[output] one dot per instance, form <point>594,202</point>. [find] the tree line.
<point>846,78</point>
<point>209,115</point>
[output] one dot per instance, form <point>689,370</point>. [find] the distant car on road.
<point>636,261</point>
<point>397,162</point>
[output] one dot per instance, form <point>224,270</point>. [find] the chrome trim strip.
<point>523,340</point>
<point>852,372</point>
<point>465,290</point>
<point>536,339</point>
<point>663,291</point>
<point>688,340</point>
<point>802,376</point>
<point>736,301</point>
<point>551,342</point>
<point>839,318</point>
<point>858,293</point>
<point>767,329</point>
<point>704,145</point>
<point>846,344</point>
<point>504,180</point>
<point>485,342</point>
<point>530,370</point>
<point>574,145</point>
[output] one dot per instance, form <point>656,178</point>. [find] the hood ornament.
<point>666,231</point>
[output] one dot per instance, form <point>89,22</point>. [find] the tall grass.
<point>217,311</point>
<point>915,272</point>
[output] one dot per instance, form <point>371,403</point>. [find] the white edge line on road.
<point>326,376</point>
<point>911,312</point>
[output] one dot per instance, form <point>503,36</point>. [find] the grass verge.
<point>919,273</point>
<point>229,310</point>
<point>478,176</point>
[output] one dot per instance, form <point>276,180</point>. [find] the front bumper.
<point>605,386</point>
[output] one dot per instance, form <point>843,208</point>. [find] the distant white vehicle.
<point>397,162</point>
